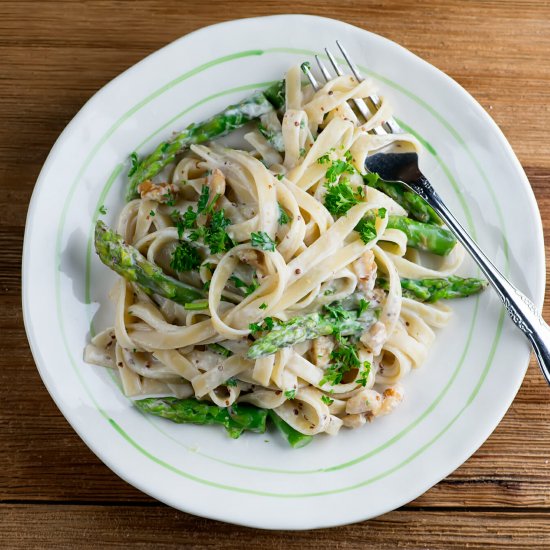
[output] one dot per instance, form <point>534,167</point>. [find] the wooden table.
<point>54,492</point>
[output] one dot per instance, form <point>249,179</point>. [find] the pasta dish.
<point>280,281</point>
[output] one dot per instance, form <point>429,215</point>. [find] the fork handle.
<point>521,310</point>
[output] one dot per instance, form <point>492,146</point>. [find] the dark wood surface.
<point>54,493</point>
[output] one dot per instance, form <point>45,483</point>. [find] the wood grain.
<point>88,526</point>
<point>54,493</point>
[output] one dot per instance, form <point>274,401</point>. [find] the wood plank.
<point>54,56</point>
<point>69,526</point>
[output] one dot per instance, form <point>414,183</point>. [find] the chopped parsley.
<point>102,210</point>
<point>363,306</point>
<point>336,311</point>
<point>260,239</point>
<point>135,164</point>
<point>327,400</point>
<point>340,197</point>
<point>185,257</point>
<point>325,159</point>
<point>221,350</point>
<point>184,221</point>
<point>152,213</point>
<point>367,228</point>
<point>344,358</point>
<point>302,124</point>
<point>248,289</point>
<point>284,218</point>
<point>263,306</point>
<point>231,382</point>
<point>202,203</point>
<point>364,372</point>
<point>170,198</point>
<point>268,324</point>
<point>215,235</point>
<point>290,394</point>
<point>255,327</point>
<point>337,168</point>
<point>302,152</point>
<point>279,176</point>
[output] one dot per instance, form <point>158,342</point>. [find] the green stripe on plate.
<point>117,427</point>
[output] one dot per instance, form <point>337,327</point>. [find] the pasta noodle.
<point>288,250</point>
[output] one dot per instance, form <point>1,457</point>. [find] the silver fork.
<point>403,168</point>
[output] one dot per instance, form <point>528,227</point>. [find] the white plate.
<point>452,403</point>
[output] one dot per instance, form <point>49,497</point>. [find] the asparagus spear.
<point>294,438</point>
<point>431,290</point>
<point>275,94</point>
<point>133,266</point>
<point>309,327</point>
<point>424,236</point>
<point>415,205</point>
<point>219,125</point>
<point>235,419</point>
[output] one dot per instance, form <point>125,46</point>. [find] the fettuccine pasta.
<point>309,297</point>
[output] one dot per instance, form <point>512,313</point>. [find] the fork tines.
<point>389,126</point>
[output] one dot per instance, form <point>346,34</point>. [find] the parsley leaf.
<point>325,159</point>
<point>340,197</point>
<point>218,348</point>
<point>248,289</point>
<point>215,235</point>
<point>203,199</point>
<point>367,226</point>
<point>263,306</point>
<point>152,213</point>
<point>170,198</point>
<point>336,311</point>
<point>260,239</point>
<point>327,400</point>
<point>185,257</point>
<point>366,229</point>
<point>102,210</point>
<point>337,168</point>
<point>344,358</point>
<point>268,324</point>
<point>363,306</point>
<point>364,373</point>
<point>290,394</point>
<point>284,218</point>
<point>279,176</point>
<point>184,221</point>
